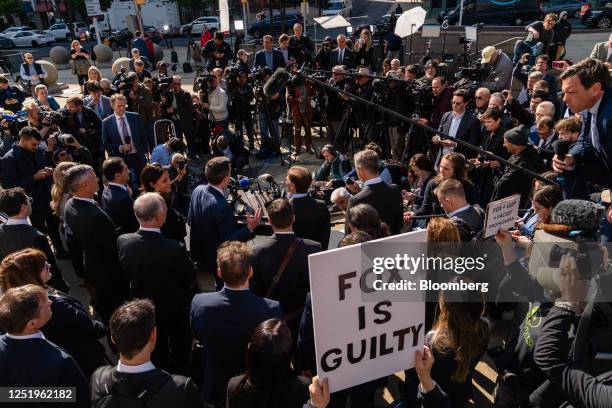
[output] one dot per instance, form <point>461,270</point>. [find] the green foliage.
<point>11,7</point>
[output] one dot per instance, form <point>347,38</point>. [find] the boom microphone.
<point>276,82</point>
<point>268,178</point>
<point>579,215</point>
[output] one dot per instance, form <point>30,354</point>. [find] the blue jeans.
<point>521,47</point>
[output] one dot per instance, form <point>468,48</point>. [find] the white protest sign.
<point>359,340</point>
<point>93,7</point>
<point>501,215</point>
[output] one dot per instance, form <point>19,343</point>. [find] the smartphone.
<point>557,64</point>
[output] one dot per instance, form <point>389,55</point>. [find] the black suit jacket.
<point>278,60</point>
<point>293,285</point>
<point>20,236</point>
<point>312,220</point>
<point>40,363</point>
<point>96,233</point>
<point>469,131</point>
<point>223,322</point>
<point>18,171</point>
<point>469,222</point>
<point>119,205</point>
<point>386,199</point>
<point>348,59</point>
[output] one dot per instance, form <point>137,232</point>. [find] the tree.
<point>9,7</point>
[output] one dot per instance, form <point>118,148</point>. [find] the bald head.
<point>150,210</point>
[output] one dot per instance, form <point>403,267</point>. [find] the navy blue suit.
<point>598,165</point>
<point>278,60</point>
<point>39,363</point>
<point>119,205</point>
<point>223,323</point>
<point>111,138</point>
<point>212,222</point>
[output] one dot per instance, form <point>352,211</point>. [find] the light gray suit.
<point>600,51</point>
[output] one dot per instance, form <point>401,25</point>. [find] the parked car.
<point>6,43</point>
<point>600,18</point>
<point>32,38</point>
<point>337,8</point>
<point>61,32</point>
<point>212,22</point>
<point>262,27</point>
<point>517,12</point>
<point>572,7</point>
<point>9,32</point>
<point>122,38</point>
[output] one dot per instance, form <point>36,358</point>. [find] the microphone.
<point>561,148</point>
<point>276,82</point>
<point>268,178</point>
<point>244,182</point>
<point>579,215</point>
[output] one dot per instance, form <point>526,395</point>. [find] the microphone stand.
<point>428,128</point>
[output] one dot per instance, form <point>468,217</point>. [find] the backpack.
<point>122,394</point>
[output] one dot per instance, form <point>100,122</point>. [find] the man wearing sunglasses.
<point>32,72</point>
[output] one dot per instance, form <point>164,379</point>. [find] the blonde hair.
<point>368,34</point>
<point>75,42</point>
<point>96,71</point>
<point>58,189</point>
<point>40,87</point>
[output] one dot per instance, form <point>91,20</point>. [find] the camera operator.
<point>431,72</point>
<point>141,72</point>
<point>217,104</point>
<point>442,96</point>
<point>86,127</point>
<point>178,107</point>
<point>302,45</point>
<point>539,37</point>
<point>139,100</point>
<point>500,76</point>
<point>242,62</point>
<point>398,101</point>
<point>241,96</point>
<point>201,125</point>
<point>67,148</point>
<point>335,106</point>
<point>96,101</point>
<point>362,114</point>
<point>11,97</point>
<point>541,65</point>
<point>322,59</point>
<point>44,123</point>
<point>179,174</point>
<point>586,88</point>
<point>217,52</point>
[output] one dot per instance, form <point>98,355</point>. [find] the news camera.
<point>123,80</point>
<point>161,86</point>
<point>202,81</point>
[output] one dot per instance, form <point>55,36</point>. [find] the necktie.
<point>125,135</point>
<point>594,134</point>
<point>340,55</point>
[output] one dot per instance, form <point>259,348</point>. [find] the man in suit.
<point>159,268</point>
<point>26,357</point>
<point>285,49</point>
<point>97,101</point>
<point>302,45</point>
<point>586,89</point>
<point>468,220</point>
<point>124,136</point>
<point>27,166</point>
<point>268,56</point>
<point>117,196</point>
<point>17,234</point>
<point>312,219</point>
<point>385,198</point>
<point>134,332</point>
<point>224,321</point>
<point>179,109</point>
<point>342,55</point>
<point>460,124</point>
<point>291,286</point>
<point>212,220</point>
<point>96,233</point>
<point>603,52</point>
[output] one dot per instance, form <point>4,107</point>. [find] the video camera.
<point>15,122</point>
<point>161,86</point>
<point>202,81</point>
<point>123,80</point>
<point>51,118</point>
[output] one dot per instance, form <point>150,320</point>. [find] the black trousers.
<point>43,219</point>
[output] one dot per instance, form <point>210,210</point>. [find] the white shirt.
<point>218,189</point>
<point>151,229</point>
<point>452,131</point>
<point>37,335</point>
<point>217,100</point>
<point>457,211</point>
<point>374,180</point>
<point>142,368</point>
<point>17,221</point>
<point>594,132</point>
<point>89,200</point>
<point>118,185</point>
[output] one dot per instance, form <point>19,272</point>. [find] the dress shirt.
<point>89,200</point>
<point>17,221</point>
<point>457,211</point>
<point>37,335</point>
<point>142,368</point>
<point>269,59</point>
<point>118,185</point>
<point>374,180</point>
<point>120,127</point>
<point>151,229</point>
<point>285,52</point>
<point>452,131</point>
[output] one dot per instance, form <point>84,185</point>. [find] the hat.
<point>431,63</point>
<point>339,69</point>
<point>243,51</point>
<point>363,71</point>
<point>517,136</point>
<point>487,54</point>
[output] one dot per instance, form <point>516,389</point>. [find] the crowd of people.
<point>105,183</point>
